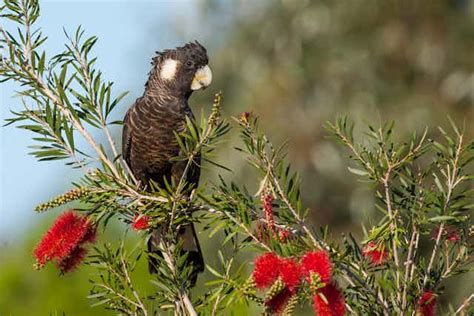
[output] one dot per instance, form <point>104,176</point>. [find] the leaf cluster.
<point>422,187</point>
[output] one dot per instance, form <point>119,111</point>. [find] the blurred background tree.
<point>301,63</point>
<point>297,64</point>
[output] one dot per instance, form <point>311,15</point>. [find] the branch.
<point>241,225</point>
<point>123,297</point>
<point>408,263</point>
<point>130,286</point>
<point>393,226</point>
<point>451,183</point>
<point>183,296</point>
<point>36,80</point>
<point>465,304</point>
<point>90,90</point>
<point>65,145</point>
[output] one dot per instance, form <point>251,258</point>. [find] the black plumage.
<point>149,142</point>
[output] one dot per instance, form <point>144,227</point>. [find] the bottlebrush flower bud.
<point>275,289</point>
<point>279,301</point>
<point>248,288</point>
<point>244,117</point>
<point>315,284</point>
<point>290,306</point>
<point>67,197</point>
<point>284,235</point>
<point>216,109</point>
<point>267,200</point>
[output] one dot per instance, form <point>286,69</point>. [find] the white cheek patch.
<point>168,69</point>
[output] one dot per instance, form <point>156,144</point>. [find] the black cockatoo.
<point>149,142</point>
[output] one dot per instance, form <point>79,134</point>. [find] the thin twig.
<point>354,151</point>
<point>130,286</point>
<point>464,305</point>
<point>393,227</point>
<point>412,152</point>
<point>27,47</point>
<point>219,295</point>
<point>451,183</point>
<point>415,250</point>
<point>242,226</point>
<point>118,294</point>
<point>453,265</point>
<point>183,296</point>
<point>409,261</point>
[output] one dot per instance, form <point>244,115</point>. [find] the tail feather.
<point>190,246</point>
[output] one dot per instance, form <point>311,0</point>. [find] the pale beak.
<point>202,78</point>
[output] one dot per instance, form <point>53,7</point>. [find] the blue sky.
<point>129,33</point>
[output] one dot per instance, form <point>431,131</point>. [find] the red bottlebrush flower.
<point>91,235</point>
<point>141,222</point>
<point>284,235</point>
<point>264,234</point>
<point>450,233</point>
<point>278,302</point>
<point>427,304</point>
<point>453,236</point>
<point>376,254</point>
<point>267,270</point>
<point>75,258</point>
<point>329,301</point>
<point>317,262</point>
<point>267,201</point>
<point>290,272</point>
<point>68,232</point>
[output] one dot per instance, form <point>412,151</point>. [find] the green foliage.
<point>299,64</point>
<point>420,185</point>
<point>114,287</point>
<point>62,103</point>
<point>423,187</point>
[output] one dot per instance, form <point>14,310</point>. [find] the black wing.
<point>126,138</point>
